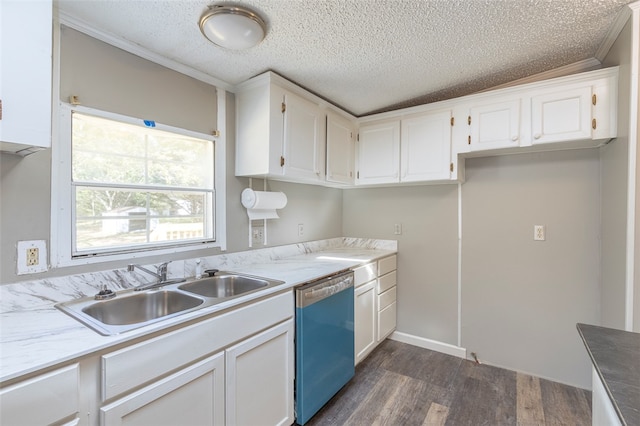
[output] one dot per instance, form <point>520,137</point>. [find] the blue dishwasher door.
<point>324,350</point>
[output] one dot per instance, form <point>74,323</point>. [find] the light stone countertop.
<point>34,335</point>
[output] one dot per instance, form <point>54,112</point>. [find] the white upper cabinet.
<point>25,75</point>
<point>303,139</point>
<point>280,134</point>
<point>340,149</point>
<point>582,110</point>
<point>561,115</point>
<point>494,125</point>
<point>425,147</point>
<point>378,153</point>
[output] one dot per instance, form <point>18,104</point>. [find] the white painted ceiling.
<point>371,55</point>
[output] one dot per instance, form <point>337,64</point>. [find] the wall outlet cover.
<point>31,257</point>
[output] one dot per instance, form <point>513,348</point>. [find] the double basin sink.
<point>131,309</point>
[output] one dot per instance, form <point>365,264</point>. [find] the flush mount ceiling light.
<point>232,27</point>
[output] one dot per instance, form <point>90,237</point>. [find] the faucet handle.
<point>211,272</point>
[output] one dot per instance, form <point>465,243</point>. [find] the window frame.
<point>62,198</point>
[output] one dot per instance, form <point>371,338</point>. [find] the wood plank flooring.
<point>400,384</point>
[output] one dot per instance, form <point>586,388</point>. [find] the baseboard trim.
<point>433,345</point>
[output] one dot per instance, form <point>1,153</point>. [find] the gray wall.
<point>614,169</point>
<point>428,251</point>
<point>521,299</point>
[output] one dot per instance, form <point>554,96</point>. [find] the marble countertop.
<point>34,335</point>
<point>615,354</point>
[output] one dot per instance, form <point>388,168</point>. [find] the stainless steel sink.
<point>141,307</point>
<point>224,285</point>
<point>131,309</point>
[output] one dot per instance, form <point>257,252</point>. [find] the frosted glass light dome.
<point>232,27</point>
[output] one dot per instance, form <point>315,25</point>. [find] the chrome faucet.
<point>160,274</point>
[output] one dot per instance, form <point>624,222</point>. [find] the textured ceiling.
<point>371,55</point>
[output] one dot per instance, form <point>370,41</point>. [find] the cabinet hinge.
<point>451,167</point>
<point>452,120</point>
<point>469,140</point>
<point>593,124</point>
<point>74,100</point>
<point>216,133</point>
<point>358,137</point>
<point>594,99</point>
<point>284,107</point>
<point>469,120</point>
<point>358,175</point>
<point>281,161</point>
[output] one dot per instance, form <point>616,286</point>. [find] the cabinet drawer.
<point>386,321</point>
<point>387,265</point>
<point>364,274</point>
<point>386,282</point>
<point>44,399</point>
<point>386,298</point>
<point>138,364</point>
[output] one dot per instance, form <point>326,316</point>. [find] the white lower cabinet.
<point>192,396</point>
<point>260,376</point>
<point>603,412</point>
<point>50,398</point>
<point>365,318</point>
<point>375,304</point>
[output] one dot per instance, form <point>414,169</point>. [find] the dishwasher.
<point>325,348</point>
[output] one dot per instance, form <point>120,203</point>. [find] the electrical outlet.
<point>257,235</point>
<point>538,233</point>
<point>397,229</point>
<point>300,229</point>
<point>31,257</point>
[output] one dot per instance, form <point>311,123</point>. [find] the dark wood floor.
<point>400,384</point>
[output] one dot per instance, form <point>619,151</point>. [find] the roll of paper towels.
<point>262,204</point>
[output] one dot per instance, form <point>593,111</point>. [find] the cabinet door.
<point>378,153</point>
<point>46,399</point>
<point>260,374</point>
<point>365,319</point>
<point>561,116</point>
<point>25,72</point>
<point>425,147</point>
<point>192,396</point>
<point>303,149</point>
<point>495,125</point>
<point>340,149</point>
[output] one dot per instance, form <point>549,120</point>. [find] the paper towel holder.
<point>261,205</point>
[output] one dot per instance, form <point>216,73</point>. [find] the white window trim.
<point>61,193</point>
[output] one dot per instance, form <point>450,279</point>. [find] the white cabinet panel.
<point>387,264</point>
<point>495,125</point>
<point>25,74</point>
<point>603,412</point>
<point>386,281</point>
<point>340,149</point>
<point>364,274</point>
<point>365,317</point>
<point>45,399</point>
<point>379,153</point>
<point>386,298</point>
<point>563,115</point>
<point>260,375</point>
<point>386,321</point>
<point>193,396</point>
<point>303,138</point>
<point>425,147</point>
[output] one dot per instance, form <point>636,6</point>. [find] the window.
<point>128,187</point>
